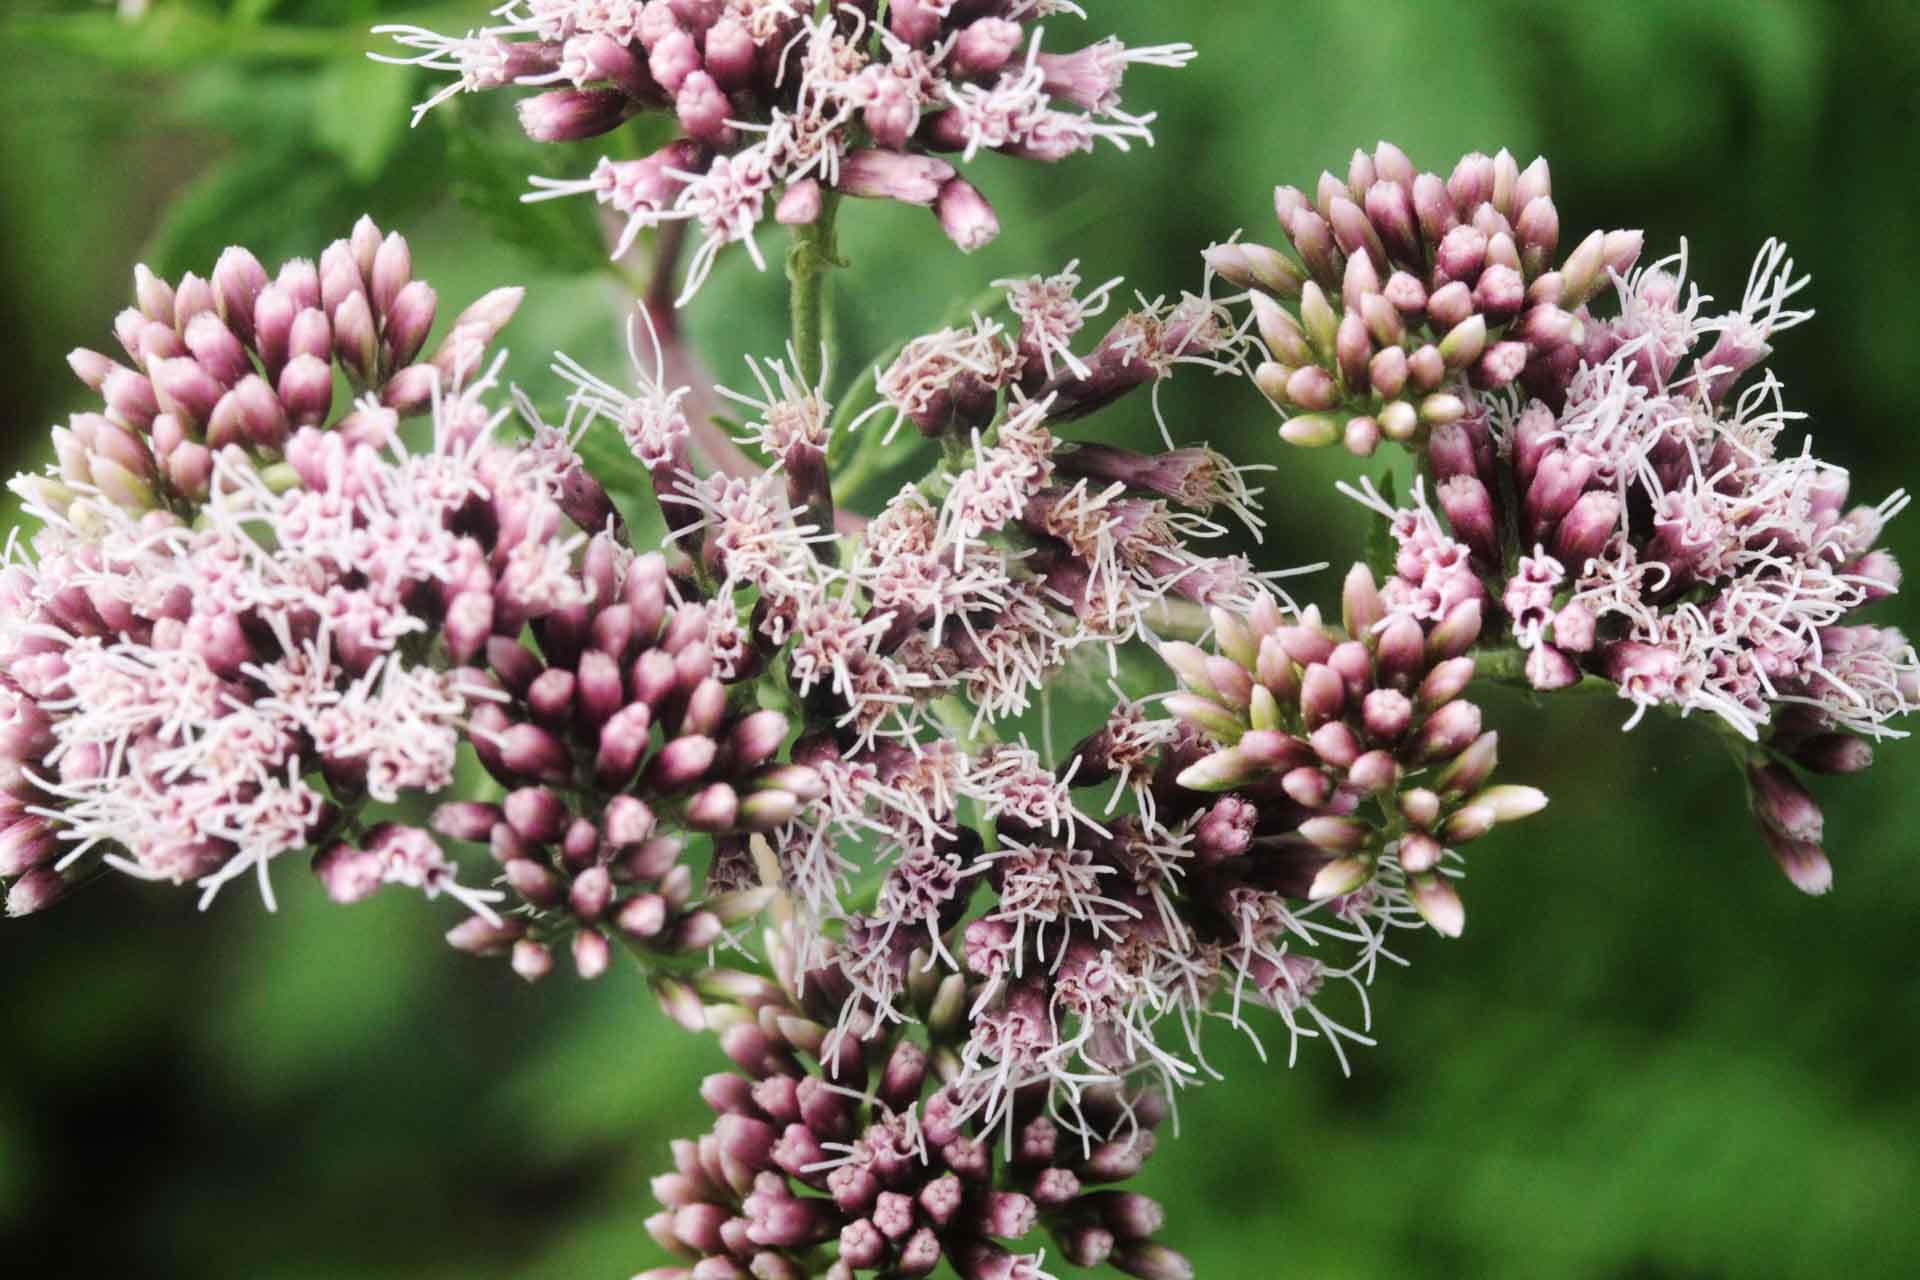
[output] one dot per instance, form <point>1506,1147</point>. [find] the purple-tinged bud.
<point>340,277</point>
<point>1389,207</point>
<point>1361,436</point>
<point>623,740</point>
<point>698,15</point>
<point>1400,656</point>
<point>1337,835</point>
<point>190,470</point>
<point>1336,743</point>
<point>1547,669</point>
<point>1148,1260</point>
<point>356,339</point>
<point>599,690</point>
<point>1312,430</point>
<point>1406,293</point>
<point>1007,1214</point>
<point>1472,767</point>
<point>1500,365</point>
<point>591,893</point>
<point>1544,327</point>
<point>533,882</point>
<point>1470,822</point>
<point>965,215</point>
<point>469,624</point>
<point>348,874</point>
<point>1425,371</point>
<point>216,349</point>
<point>1472,182</point>
<point>1322,693</point>
<point>1419,852</point>
<point>1469,509</point>
<point>1833,753</point>
<point>1500,292</point>
<point>1383,323</point>
<point>1420,807</point>
<point>1448,731</point>
<point>1455,633</point>
<point>1506,181</point>
<point>467,820</point>
<point>1358,282</point>
<point>1538,227</point>
<point>985,45</point>
<point>702,108</point>
<point>1307,786</point>
<point>1338,878</point>
<point>312,332</point>
<point>1386,713</point>
<point>715,808</point>
<point>1782,804</point>
<point>390,272</point>
<point>627,821</point>
<point>1434,898</point>
<point>1352,230</point>
<point>409,318</point>
<point>550,697</point>
<point>643,916</point>
<point>706,708</point>
<point>24,844</point>
<point>1804,862</point>
<point>1433,208</point>
<point>799,204</point>
<point>1353,350</point>
<point>477,935</point>
<point>237,281</point>
<point>1621,250</point>
<point>532,960</point>
<point>569,115</point>
<point>306,390</point>
<point>893,175</point>
<point>35,891</point>
<point>1361,608</point>
<point>532,752</point>
<point>535,814</point>
<point>1373,772</point>
<point>182,388</point>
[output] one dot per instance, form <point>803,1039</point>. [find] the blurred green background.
<point>1649,1057</point>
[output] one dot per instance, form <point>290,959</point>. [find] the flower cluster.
<point>784,104</point>
<point>1626,512</point>
<point>238,362</point>
<point>191,700</point>
<point>1348,760</point>
<point>855,1144</point>
<point>1443,286</point>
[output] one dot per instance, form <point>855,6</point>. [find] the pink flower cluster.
<point>783,103</point>
<point>189,700</point>
<point>1626,509</point>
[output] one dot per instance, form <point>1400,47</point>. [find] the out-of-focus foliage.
<point>1649,1057</point>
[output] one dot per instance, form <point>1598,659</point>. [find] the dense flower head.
<point>839,1155</point>
<point>311,655</point>
<point>238,362</point>
<point>1349,760</point>
<point>1411,291</point>
<point>1624,505</point>
<point>783,103</point>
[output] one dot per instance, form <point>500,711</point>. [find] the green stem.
<point>812,256</point>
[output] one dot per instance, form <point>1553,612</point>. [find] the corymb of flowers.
<point>303,587</point>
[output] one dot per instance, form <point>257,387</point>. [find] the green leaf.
<point>360,113</point>
<point>492,163</point>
